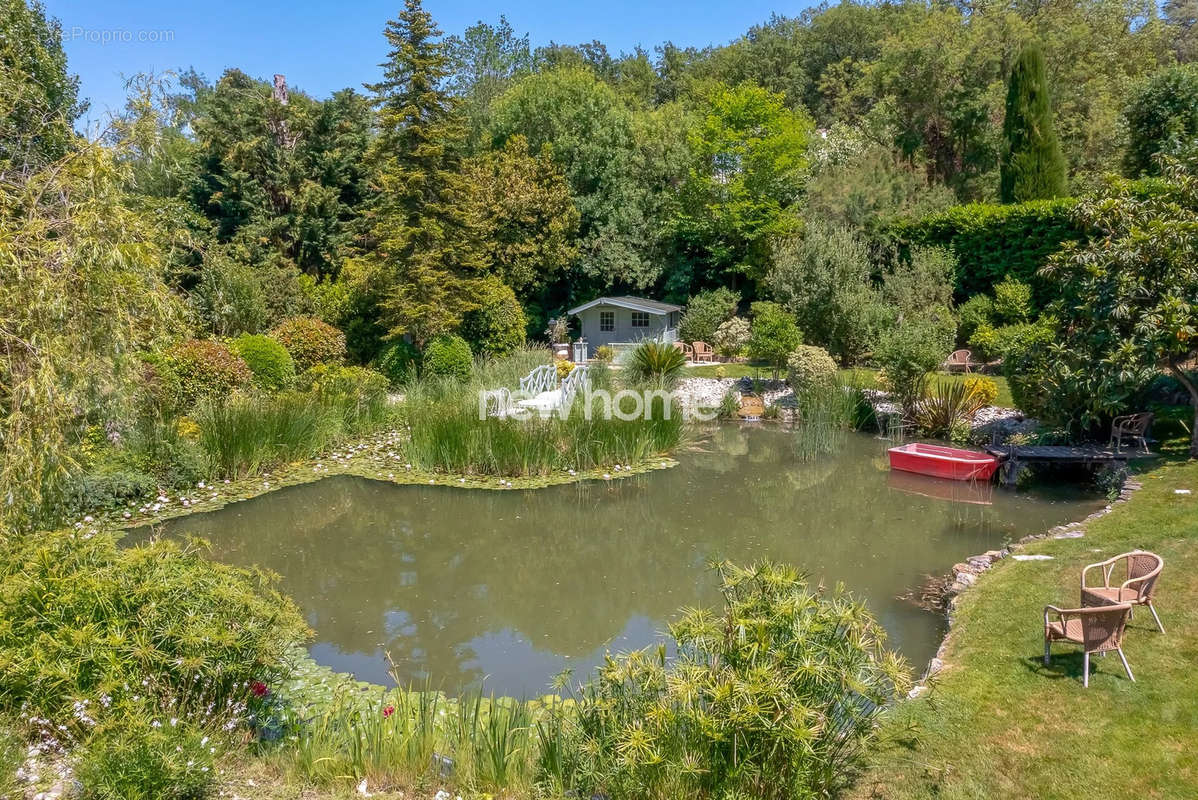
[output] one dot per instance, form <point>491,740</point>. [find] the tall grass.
<point>447,435</point>
<point>826,412</point>
<point>243,434</point>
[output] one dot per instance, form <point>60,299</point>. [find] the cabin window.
<point>607,321</point>
<point>640,319</point>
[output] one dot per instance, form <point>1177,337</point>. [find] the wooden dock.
<point>1015,457</point>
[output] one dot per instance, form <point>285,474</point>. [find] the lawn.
<point>867,376</point>
<point>998,723</point>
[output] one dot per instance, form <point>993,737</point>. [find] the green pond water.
<point>507,588</point>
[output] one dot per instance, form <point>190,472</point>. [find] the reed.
<point>826,412</point>
<point>243,434</point>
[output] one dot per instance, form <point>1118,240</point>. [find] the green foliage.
<point>1129,302</point>
<point>108,489</point>
<point>1012,301</point>
<point>973,314</point>
<point>140,760</point>
<point>358,394</point>
<point>448,356</point>
<point>86,620</point>
<point>310,342</point>
<point>229,298</point>
<point>908,353</point>
<point>655,362</point>
<point>705,313</point>
<point>399,362</point>
<point>773,335</point>
<point>12,757</point>
<point>984,388</point>
<point>809,365</point>
<point>496,327</point>
<point>205,368</point>
<point>775,697</point>
<point>1162,119</point>
<point>731,337</point>
<point>994,241</point>
<point>272,365</point>
<point>922,283</point>
<point>604,353</point>
<point>1032,165</point>
<point>947,406</point>
<point>38,103</point>
<point>824,280</point>
<point>749,155</point>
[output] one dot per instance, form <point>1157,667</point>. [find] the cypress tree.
<point>1032,165</point>
<point>429,255</point>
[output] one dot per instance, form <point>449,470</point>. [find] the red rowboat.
<point>943,462</point>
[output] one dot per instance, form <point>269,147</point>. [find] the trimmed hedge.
<point>994,241</point>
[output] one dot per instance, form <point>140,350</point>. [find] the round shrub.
<point>398,362</point>
<point>497,326</point>
<point>973,314</point>
<point>1012,300</point>
<point>205,368</point>
<point>330,383</point>
<point>604,354</point>
<point>270,362</point>
<point>984,390</point>
<point>448,356</point>
<point>731,337</point>
<point>809,365</point>
<point>310,342</point>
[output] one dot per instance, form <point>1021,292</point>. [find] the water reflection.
<point>511,587</point>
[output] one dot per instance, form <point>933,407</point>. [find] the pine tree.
<point>1032,165</point>
<point>428,254</point>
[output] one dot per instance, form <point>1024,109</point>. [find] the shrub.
<point>1162,117</point>
<point>86,619</point>
<point>773,335</point>
<point>229,298</point>
<point>989,342</point>
<point>731,337</point>
<point>564,367</point>
<point>497,326</point>
<point>705,312</point>
<point>108,489</point>
<point>448,356</point>
<point>146,757</point>
<point>948,406</point>
<point>604,354</point>
<point>358,394</point>
<point>12,757</point>
<point>776,697</point>
<point>809,365</point>
<point>983,388</point>
<point>655,362</point>
<point>972,314</point>
<point>272,365</point>
<point>1012,301</point>
<point>310,342</point>
<point>907,354</point>
<point>398,362</point>
<point>205,368</point>
<point>992,241</point>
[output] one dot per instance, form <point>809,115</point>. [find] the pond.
<point>511,587</point>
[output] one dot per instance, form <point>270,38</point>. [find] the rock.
<point>916,691</point>
<point>934,666</point>
<point>967,578</point>
<point>1077,534</point>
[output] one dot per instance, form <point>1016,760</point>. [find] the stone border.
<point>965,575</point>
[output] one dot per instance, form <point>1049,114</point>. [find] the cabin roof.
<point>634,303</point>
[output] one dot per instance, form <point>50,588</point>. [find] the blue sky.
<point>322,46</point>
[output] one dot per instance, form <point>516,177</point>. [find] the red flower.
<point>259,689</point>
<point>388,711</point>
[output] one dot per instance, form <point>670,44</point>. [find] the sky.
<point>324,45</point>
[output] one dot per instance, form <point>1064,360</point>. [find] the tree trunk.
<point>1185,381</point>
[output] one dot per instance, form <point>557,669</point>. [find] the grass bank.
<point>998,723</point>
<point>858,375</point>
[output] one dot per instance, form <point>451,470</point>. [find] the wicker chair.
<point>959,359</point>
<point>1131,430</point>
<point>1098,629</point>
<point>703,352</point>
<point>1141,568</point>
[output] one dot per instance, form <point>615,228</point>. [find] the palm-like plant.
<point>946,405</point>
<point>656,362</point>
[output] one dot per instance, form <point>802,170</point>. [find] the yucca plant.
<point>655,362</point>
<point>946,406</point>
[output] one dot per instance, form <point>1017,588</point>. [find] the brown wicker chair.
<point>1141,568</point>
<point>959,359</point>
<point>703,352</point>
<point>1131,430</point>
<point>1098,629</point>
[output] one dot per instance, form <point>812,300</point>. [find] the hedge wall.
<point>992,241</point>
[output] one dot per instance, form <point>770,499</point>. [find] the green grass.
<point>864,376</point>
<point>999,724</point>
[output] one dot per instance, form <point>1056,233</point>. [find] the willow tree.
<point>1032,165</point>
<point>80,293</point>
